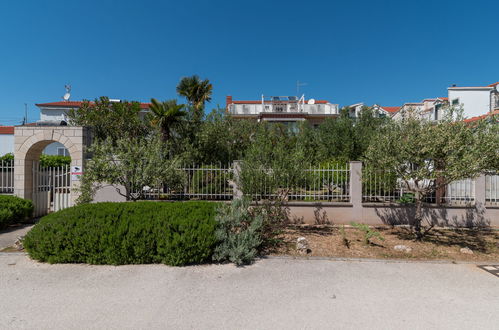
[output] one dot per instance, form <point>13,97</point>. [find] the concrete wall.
<point>372,213</point>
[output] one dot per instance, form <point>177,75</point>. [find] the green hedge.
<point>126,233</point>
<point>14,209</point>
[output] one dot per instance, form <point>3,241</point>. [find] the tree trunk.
<point>418,218</point>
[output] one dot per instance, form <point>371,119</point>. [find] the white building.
<point>288,110</point>
<point>476,101</point>
<point>354,110</point>
<point>6,140</point>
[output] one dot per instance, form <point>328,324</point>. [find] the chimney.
<point>228,100</point>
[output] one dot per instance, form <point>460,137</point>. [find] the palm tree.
<point>166,116</point>
<point>195,90</point>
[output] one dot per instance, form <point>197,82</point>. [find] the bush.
<point>126,233</point>
<point>7,159</point>
<point>54,161</point>
<point>238,233</point>
<point>14,209</point>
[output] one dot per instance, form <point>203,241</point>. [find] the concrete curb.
<point>314,258</point>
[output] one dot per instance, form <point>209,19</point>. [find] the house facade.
<point>475,101</point>
<point>6,140</point>
<point>287,110</point>
<point>355,110</point>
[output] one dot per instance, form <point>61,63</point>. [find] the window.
<point>455,102</point>
<point>62,152</point>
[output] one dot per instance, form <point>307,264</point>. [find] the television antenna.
<point>68,92</point>
<point>298,85</point>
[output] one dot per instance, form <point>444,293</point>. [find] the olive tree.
<point>130,164</point>
<point>427,155</point>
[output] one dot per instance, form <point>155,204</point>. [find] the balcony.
<point>290,108</point>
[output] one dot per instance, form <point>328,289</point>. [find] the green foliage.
<point>7,159</point>
<point>45,160</point>
<point>275,216</point>
<point>132,164</point>
<point>238,233</point>
<point>273,163</point>
<point>14,209</point>
<point>54,161</point>
<point>378,183</point>
<point>209,182</point>
<point>334,182</point>
<point>428,155</point>
<point>166,116</point>
<point>110,120</point>
<point>126,233</point>
<point>369,233</point>
<point>195,90</point>
<point>219,139</point>
<point>407,198</point>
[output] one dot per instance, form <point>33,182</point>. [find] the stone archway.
<point>29,142</point>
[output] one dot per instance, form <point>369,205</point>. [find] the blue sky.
<point>385,52</point>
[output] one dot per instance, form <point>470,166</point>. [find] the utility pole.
<point>25,113</point>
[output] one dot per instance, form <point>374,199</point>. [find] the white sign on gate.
<point>76,173</point>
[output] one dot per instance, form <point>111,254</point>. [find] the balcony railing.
<point>255,109</point>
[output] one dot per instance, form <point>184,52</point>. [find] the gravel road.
<point>271,294</point>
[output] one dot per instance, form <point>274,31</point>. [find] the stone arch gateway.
<point>29,142</point>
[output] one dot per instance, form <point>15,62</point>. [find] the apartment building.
<point>287,110</point>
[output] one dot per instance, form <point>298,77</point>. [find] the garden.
<point>151,157</point>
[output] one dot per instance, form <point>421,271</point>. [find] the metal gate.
<point>51,188</point>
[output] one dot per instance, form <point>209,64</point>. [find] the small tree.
<point>110,120</point>
<point>132,164</point>
<point>428,155</point>
<point>166,116</point>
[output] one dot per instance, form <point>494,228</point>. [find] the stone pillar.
<point>236,190</point>
<point>480,190</point>
<point>356,189</point>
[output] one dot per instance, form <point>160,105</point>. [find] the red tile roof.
<point>77,104</point>
<point>391,109</point>
<point>494,84</point>
<point>6,129</point>
<point>472,119</point>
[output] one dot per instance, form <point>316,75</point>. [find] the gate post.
<point>356,189</point>
<point>237,193</point>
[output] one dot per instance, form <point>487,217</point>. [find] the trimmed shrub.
<point>175,234</point>
<point>238,233</point>
<point>54,161</point>
<point>14,209</point>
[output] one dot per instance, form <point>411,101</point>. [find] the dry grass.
<point>439,244</point>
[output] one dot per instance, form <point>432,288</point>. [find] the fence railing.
<point>382,186</point>
<point>51,188</point>
<point>6,177</point>
<point>312,184</point>
<point>206,182</point>
<point>492,189</point>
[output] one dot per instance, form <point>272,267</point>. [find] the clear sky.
<point>385,52</point>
